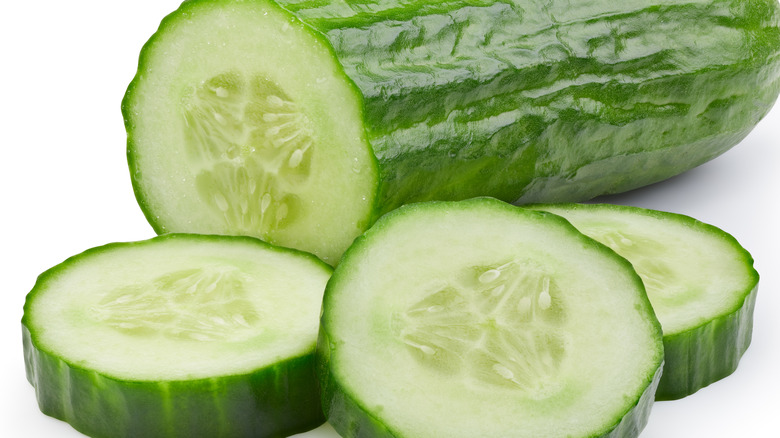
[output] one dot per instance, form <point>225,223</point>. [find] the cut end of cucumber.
<point>241,121</point>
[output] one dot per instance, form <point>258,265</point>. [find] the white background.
<point>64,67</point>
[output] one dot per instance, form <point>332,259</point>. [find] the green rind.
<point>344,411</point>
<point>635,420</point>
<point>276,401</point>
<point>540,101</point>
<point>347,416</point>
<point>701,355</point>
<point>128,118</point>
<point>128,115</point>
<point>272,402</point>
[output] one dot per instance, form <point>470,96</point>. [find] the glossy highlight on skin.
<point>540,101</point>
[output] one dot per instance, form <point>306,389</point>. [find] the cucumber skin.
<point>691,362</point>
<point>227,406</point>
<point>230,406</point>
<point>344,413</point>
<point>566,112</point>
<point>352,420</point>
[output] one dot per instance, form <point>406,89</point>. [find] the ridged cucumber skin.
<point>353,420</point>
<point>701,355</point>
<point>547,101</point>
<point>276,401</point>
<point>272,402</point>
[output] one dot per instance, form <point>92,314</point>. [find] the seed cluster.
<point>500,325</point>
<point>253,146</point>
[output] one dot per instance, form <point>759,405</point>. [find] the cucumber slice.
<point>240,121</point>
<point>478,318</point>
<point>178,336</point>
<point>699,279</point>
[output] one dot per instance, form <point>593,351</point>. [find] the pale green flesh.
<point>198,304</point>
<point>180,309</point>
<point>483,325</point>
<point>240,121</point>
<point>254,148</point>
<point>692,274</point>
<point>495,325</point>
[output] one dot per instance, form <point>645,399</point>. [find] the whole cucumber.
<point>300,122</point>
<point>542,100</point>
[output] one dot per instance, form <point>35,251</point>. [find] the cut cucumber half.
<point>478,318</point>
<point>178,336</point>
<point>244,120</point>
<point>699,279</point>
<point>240,121</point>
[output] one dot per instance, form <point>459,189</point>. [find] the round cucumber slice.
<point>700,280</point>
<point>178,336</point>
<point>240,121</point>
<point>478,318</point>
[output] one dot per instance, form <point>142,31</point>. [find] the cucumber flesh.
<point>241,122</point>
<point>178,336</point>
<point>477,318</point>
<point>700,281</point>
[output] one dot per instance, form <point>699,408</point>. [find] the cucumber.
<point>178,336</point>
<point>396,102</point>
<point>478,318</point>
<point>700,281</point>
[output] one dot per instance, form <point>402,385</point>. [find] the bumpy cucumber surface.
<point>527,101</point>
<point>546,100</point>
<point>550,100</point>
<point>700,281</point>
<point>178,336</point>
<point>477,318</point>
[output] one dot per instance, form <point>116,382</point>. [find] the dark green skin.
<point>277,401</point>
<point>550,101</point>
<point>272,402</point>
<point>693,361</point>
